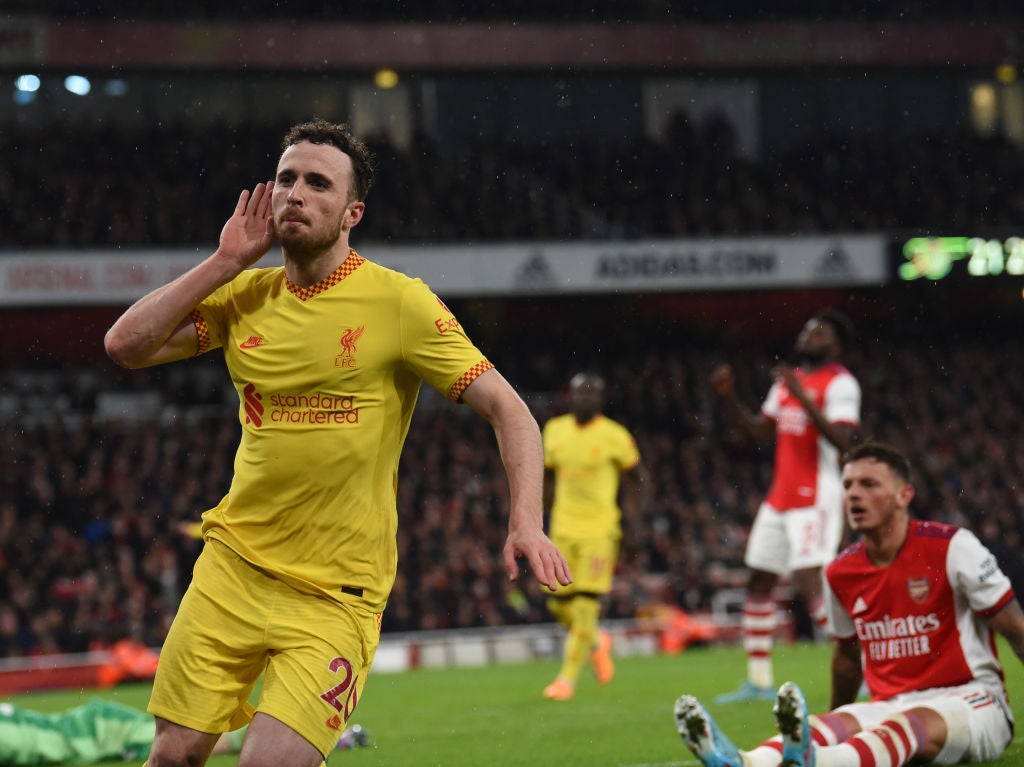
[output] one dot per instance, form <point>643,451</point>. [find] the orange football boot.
<point>560,689</point>
<point>601,658</point>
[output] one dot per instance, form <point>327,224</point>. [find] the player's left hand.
<point>787,375</point>
<point>546,561</point>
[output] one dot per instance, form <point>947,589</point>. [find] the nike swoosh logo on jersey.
<point>252,342</point>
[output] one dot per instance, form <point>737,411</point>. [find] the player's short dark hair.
<point>882,452</point>
<point>841,325</point>
<point>587,378</point>
<point>320,131</point>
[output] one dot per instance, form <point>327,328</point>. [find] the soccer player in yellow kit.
<point>586,455</point>
<point>327,354</point>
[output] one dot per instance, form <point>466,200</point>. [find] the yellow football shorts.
<point>235,623</point>
<point>591,561</point>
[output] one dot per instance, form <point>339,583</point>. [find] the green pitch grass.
<point>495,716</point>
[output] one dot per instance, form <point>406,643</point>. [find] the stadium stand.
<point>98,475</point>
<point>516,10</point>
<point>104,186</point>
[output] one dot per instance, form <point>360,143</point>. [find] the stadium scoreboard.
<point>936,258</point>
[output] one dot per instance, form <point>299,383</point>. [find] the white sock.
<point>819,614</point>
<point>758,624</point>
<point>892,744</point>
<point>768,754</point>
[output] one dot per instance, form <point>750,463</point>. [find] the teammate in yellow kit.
<point>586,455</point>
<point>327,354</point>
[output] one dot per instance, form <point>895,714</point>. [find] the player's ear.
<point>906,494</point>
<point>354,214</point>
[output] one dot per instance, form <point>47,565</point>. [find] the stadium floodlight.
<point>26,88</point>
<point>27,83</point>
<point>385,79</point>
<point>77,84</point>
<point>116,87</point>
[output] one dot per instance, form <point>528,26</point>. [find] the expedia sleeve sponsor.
<point>435,345</point>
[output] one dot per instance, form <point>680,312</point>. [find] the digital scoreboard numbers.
<point>934,258</point>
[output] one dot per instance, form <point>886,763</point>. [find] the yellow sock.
<point>559,609</point>
<point>584,614</point>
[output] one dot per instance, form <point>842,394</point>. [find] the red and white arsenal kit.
<point>800,523</point>
<point>807,464</point>
<point>921,621</point>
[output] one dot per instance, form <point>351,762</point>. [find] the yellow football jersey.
<point>327,378</point>
<point>588,462</point>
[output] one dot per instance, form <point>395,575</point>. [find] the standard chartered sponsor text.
<point>316,409</point>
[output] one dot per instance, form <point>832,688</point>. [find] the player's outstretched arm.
<point>1010,623</point>
<point>753,426</point>
<point>157,328</point>
<point>519,443</point>
<point>847,673</point>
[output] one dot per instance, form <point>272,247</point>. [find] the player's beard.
<point>307,244</point>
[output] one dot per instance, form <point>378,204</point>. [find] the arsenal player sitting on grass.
<point>914,607</point>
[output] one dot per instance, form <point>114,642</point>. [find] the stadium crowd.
<point>536,10</point>
<point>100,471</point>
<point>93,184</point>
